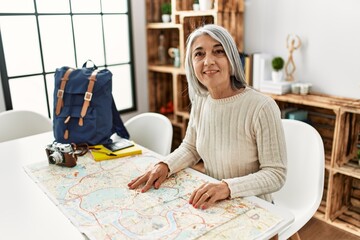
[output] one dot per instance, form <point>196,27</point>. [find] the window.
<point>38,36</point>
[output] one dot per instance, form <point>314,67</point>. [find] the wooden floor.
<point>319,230</point>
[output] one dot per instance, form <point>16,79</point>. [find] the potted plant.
<point>277,65</point>
<point>166,12</point>
<point>196,6</point>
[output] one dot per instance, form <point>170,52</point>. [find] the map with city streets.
<point>96,199</point>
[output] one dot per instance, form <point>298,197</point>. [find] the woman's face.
<point>211,65</point>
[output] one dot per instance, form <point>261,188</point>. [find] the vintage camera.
<point>61,154</point>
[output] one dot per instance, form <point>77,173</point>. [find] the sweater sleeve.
<point>186,154</point>
<point>269,135</point>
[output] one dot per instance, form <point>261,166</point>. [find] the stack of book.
<point>269,86</point>
<point>104,152</point>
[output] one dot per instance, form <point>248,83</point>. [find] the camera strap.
<point>80,149</point>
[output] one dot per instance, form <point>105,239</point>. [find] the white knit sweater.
<point>241,141</point>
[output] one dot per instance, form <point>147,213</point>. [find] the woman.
<point>234,129</point>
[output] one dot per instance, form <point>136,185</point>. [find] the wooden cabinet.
<point>167,84</point>
<point>338,122</point>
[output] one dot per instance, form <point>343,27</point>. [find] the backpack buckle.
<point>88,96</point>
<point>60,93</point>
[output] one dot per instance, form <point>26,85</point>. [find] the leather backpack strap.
<point>60,92</point>
<point>88,96</point>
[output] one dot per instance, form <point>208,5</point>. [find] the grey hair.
<point>221,35</point>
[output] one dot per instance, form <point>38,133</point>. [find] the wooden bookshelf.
<point>337,120</point>
<point>166,82</point>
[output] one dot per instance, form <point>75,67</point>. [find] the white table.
<point>27,213</point>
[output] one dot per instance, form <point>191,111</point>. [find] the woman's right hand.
<point>154,177</point>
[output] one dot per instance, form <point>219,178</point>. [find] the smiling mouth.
<point>210,71</point>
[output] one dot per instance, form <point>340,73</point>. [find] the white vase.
<point>205,5</point>
<point>196,7</point>
<point>277,76</point>
<point>166,18</point>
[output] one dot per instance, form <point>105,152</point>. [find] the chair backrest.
<point>22,123</point>
<point>303,189</point>
<point>151,130</point>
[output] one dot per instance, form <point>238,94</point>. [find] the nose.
<point>209,60</point>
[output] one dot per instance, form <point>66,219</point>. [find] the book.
<point>265,67</point>
<point>248,70</point>
<point>122,143</point>
<point>101,153</point>
<point>269,86</point>
<point>261,68</point>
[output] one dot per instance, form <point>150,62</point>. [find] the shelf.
<point>350,169</point>
<point>163,26</point>
<point>160,40</point>
<point>161,89</point>
<point>181,15</point>
<point>327,164</point>
<point>166,69</point>
<point>321,100</point>
<point>219,6</point>
<point>337,120</point>
<point>347,212</point>
<point>345,225</point>
<point>348,137</point>
<point>185,115</point>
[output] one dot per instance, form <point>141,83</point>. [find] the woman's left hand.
<point>209,193</point>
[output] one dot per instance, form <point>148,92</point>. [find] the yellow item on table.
<point>101,153</point>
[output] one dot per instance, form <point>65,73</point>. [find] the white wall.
<point>140,57</point>
<point>330,31</point>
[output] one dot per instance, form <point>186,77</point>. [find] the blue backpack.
<point>84,108</point>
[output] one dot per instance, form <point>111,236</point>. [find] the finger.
<point>159,181</point>
<point>200,198</point>
<point>133,180</point>
<point>140,180</point>
<point>191,200</point>
<point>210,201</point>
<point>193,197</point>
<point>152,178</point>
<point>196,195</point>
<point>216,193</point>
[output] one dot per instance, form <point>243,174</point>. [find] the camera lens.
<point>56,158</point>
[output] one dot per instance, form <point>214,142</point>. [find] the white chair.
<point>22,123</point>
<point>151,130</point>
<point>303,189</point>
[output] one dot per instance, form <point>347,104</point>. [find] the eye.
<point>198,54</point>
<point>219,51</point>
